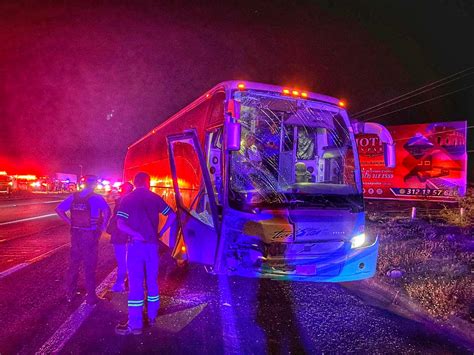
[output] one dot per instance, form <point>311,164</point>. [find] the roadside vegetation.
<point>430,258</point>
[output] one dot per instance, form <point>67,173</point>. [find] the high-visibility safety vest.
<point>81,212</point>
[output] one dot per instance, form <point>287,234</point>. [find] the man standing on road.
<point>89,214</point>
<point>138,216</point>
<point>119,240</point>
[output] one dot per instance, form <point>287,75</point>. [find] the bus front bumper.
<point>353,265</point>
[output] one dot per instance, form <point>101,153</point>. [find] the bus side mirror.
<point>232,126</point>
<point>232,136</point>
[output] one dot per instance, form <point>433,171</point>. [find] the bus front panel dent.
<point>292,246</point>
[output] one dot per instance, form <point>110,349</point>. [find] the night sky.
<point>80,81</point>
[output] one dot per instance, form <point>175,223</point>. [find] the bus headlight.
<point>358,240</point>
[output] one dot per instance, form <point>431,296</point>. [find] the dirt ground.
<point>429,258</point>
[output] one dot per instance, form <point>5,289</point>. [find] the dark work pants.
<point>84,248</point>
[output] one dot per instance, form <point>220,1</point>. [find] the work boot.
<point>124,329</point>
<point>149,322</point>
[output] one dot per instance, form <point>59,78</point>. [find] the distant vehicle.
<point>6,184</point>
<point>24,182</point>
<point>266,182</point>
<point>100,188</point>
<point>66,181</point>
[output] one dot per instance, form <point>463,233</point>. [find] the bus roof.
<point>231,85</point>
<point>234,85</point>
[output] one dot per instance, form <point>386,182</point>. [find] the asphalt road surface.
<point>200,313</point>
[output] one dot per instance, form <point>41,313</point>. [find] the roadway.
<point>200,313</point>
<point>28,229</point>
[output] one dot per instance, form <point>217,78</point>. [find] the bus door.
<point>198,219</point>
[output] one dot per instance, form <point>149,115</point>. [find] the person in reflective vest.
<point>88,216</point>
<point>119,240</point>
<point>138,216</point>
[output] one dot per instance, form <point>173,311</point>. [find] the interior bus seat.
<point>302,173</point>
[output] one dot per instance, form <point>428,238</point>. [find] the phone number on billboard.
<point>428,192</point>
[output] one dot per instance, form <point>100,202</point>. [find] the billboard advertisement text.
<point>431,162</point>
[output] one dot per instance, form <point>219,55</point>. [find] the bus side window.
<point>216,111</point>
<point>201,209</point>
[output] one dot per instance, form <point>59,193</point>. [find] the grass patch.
<point>434,256</point>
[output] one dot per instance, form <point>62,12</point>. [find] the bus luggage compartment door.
<point>196,207</point>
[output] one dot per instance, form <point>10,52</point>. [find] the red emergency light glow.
<point>286,91</point>
<point>304,94</point>
<point>183,248</point>
<point>26,177</point>
<point>241,86</point>
<point>342,103</point>
<point>168,182</point>
<point>295,92</point>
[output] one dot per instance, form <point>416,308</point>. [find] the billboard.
<point>431,162</point>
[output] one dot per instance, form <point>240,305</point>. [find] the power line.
<point>411,96</point>
<point>413,91</point>
<point>416,92</point>
<point>432,134</point>
<point>419,103</point>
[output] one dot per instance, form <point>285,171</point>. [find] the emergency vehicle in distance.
<point>266,183</point>
<point>6,183</point>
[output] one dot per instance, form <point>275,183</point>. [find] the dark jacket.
<point>117,236</point>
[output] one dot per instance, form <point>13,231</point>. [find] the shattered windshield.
<point>293,153</point>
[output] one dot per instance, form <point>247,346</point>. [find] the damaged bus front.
<point>295,193</point>
<point>267,183</point>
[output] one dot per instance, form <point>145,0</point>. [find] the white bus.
<point>266,183</point>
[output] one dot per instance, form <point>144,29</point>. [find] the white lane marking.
<point>30,204</point>
<point>29,262</point>
<point>70,326</point>
<point>28,219</point>
<point>48,253</point>
<point>12,270</point>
